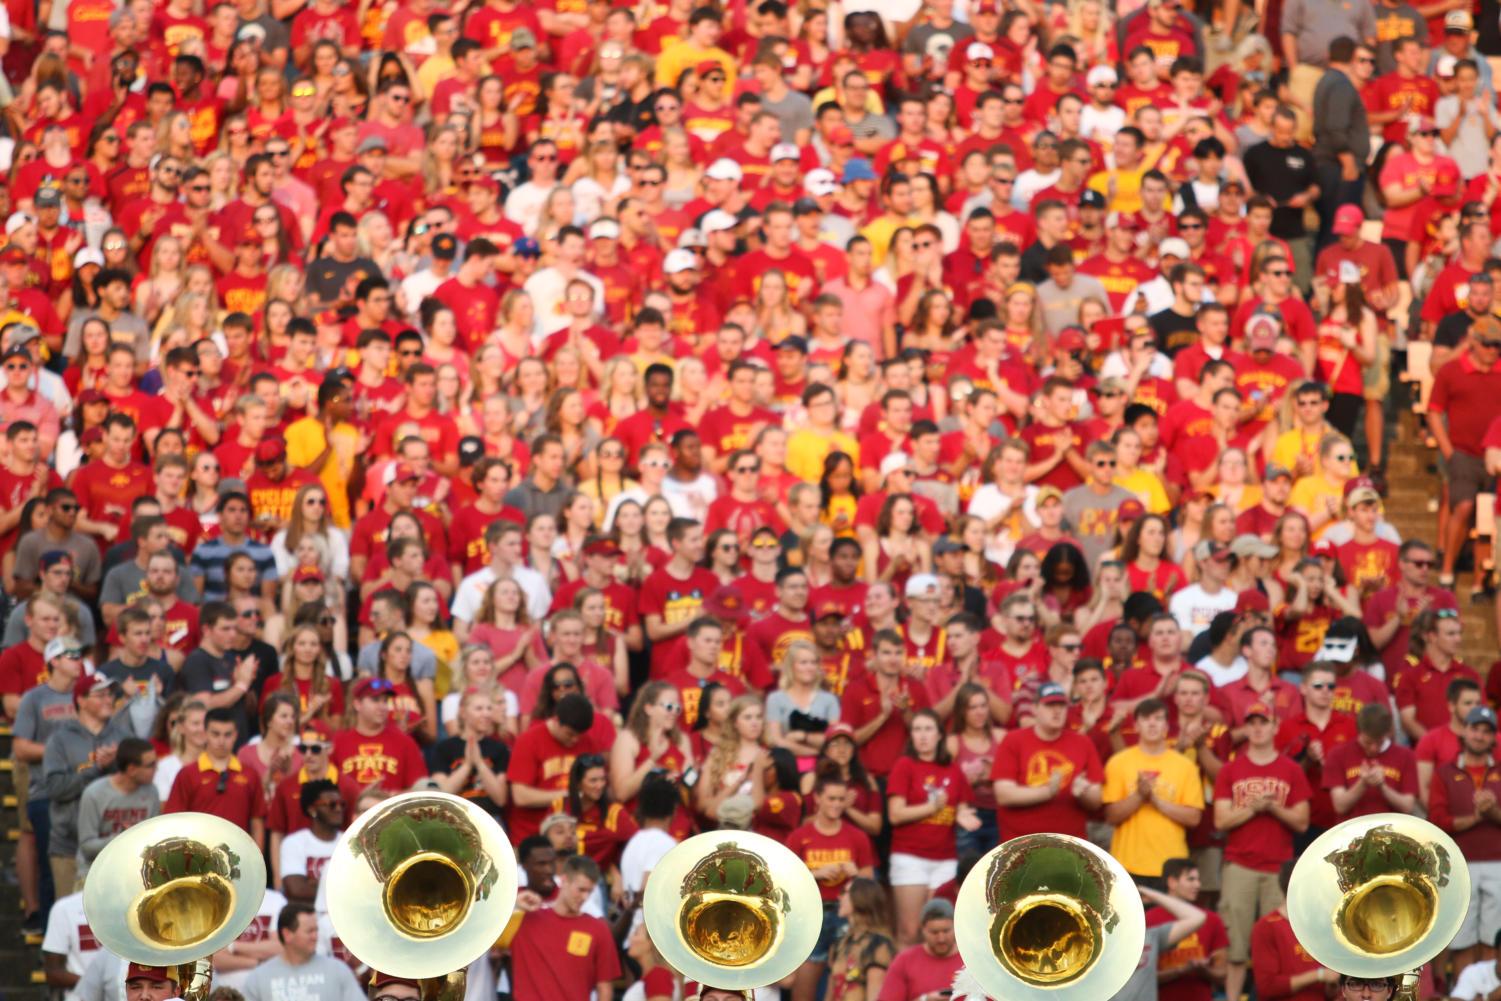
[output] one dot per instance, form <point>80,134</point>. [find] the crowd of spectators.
<point>893,431</point>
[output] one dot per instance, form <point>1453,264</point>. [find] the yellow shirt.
<point>1121,188</point>
<point>806,449</point>
<point>1148,488</point>
<point>682,56</point>
<point>880,231</point>
<point>445,647</point>
<point>1148,838</point>
<point>1309,495</point>
<point>306,441</point>
<point>1297,442</point>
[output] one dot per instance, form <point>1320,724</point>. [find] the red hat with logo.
<point>1259,708</point>
<point>602,546</point>
<point>306,572</point>
<point>135,971</point>
<point>726,604</point>
<point>1252,600</point>
<point>271,450</point>
<point>379,980</point>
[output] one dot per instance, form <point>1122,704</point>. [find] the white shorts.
<point>914,870</point>
<point>1483,919</point>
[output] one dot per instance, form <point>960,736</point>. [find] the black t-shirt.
<point>1452,329</point>
<point>118,671</point>
<point>203,673</point>
<point>448,754</point>
<point>1174,331</point>
<point>1280,174</point>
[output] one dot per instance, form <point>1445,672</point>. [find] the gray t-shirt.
<point>1143,983</point>
<point>127,327</point>
<point>1093,519</point>
<point>127,580</point>
<point>104,811</point>
<point>794,112</point>
<point>779,707</point>
<point>41,711</point>
<point>1060,306</point>
<point>321,978</point>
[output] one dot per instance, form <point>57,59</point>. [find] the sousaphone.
<point>172,891</point>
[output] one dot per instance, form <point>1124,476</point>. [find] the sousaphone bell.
<point>1049,917</point>
<point>1379,896</point>
<point>173,890</point>
<point>733,909</point>
<point>421,885</point>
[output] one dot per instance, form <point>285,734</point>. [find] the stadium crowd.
<point>890,430</point>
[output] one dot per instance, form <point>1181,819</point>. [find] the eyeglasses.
<point>766,545</point>
<point>1422,564</point>
<point>201,189</point>
<point>317,501</point>
<point>1366,986</point>
<point>410,352</point>
<point>1024,618</point>
<point>277,152</point>
<point>1345,457</point>
<point>650,184</point>
<point>670,707</point>
<point>1003,180</point>
<point>17,366</point>
<point>1012,100</point>
<point>655,464</point>
<point>113,245</point>
<point>304,90</point>
<point>924,245</point>
<point>543,157</point>
<point>1071,647</point>
<point>1489,345</point>
<point>250,613</point>
<point>223,782</point>
<point>169,170</point>
<point>748,469</point>
<point>1190,225</point>
<point>1280,273</point>
<point>728,547</point>
<point>1105,463</point>
<point>1321,686</point>
<point>399,98</point>
<point>70,508</point>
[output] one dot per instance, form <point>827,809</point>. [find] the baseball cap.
<point>922,585</point>
<point>86,256</point>
<point>793,343</point>
<point>368,687</point>
<point>53,557</point>
<point>1347,219</point>
<point>692,237</point>
<point>601,545</point>
<point>838,729</point>
<point>271,450</point>
<point>946,545</point>
<point>1418,124</point>
<point>1101,74</point>
<point>1252,600</point>
<point>806,206</point>
<point>306,572</point>
<point>1130,510</point>
<point>828,610</point>
<point>471,449</point>
<point>445,247</point>
<point>88,682</point>
<point>727,602</point>
<point>893,462</point>
<point>1123,220</point>
<point>858,169</point>
<point>604,229</point>
<point>369,143</point>
<point>1091,199</point>
<point>1276,472</point>
<point>841,135</point>
<point>785,151</point>
<point>1260,708</point>
<point>1070,339</point>
<point>1262,331</point>
<point>379,979</point>
<point>679,260</point>
<point>819,182</point>
<point>1047,493</point>
<point>67,646</point>
<point>1446,66</point>
<point>16,351</point>
<point>718,221</point>
<point>528,246</point>
<point>17,220</point>
<point>1458,22</point>
<point>1051,693</point>
<point>12,255</point>
<point>1246,545</point>
<point>403,472</point>
<point>1481,716</point>
<point>135,971</point>
<point>1173,247</point>
<point>1323,548</point>
<point>47,198</point>
<point>522,38</point>
<point>724,169</point>
<point>1208,549</point>
<point>978,50</point>
<point>1361,495</point>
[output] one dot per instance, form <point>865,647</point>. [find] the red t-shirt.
<point>21,669</point>
<point>1294,736</point>
<point>560,957</point>
<point>1262,843</point>
<point>1026,759</point>
<point>675,601</point>
<point>1277,957</point>
<point>389,759</point>
<point>1424,687</point>
<point>861,703</point>
<point>285,812</point>
<point>690,689</point>
<point>1201,945</point>
<point>848,844</point>
<point>1342,767</point>
<point>916,781</point>
<point>539,760</point>
<point>105,493</point>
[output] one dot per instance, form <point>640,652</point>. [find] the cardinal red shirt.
<point>197,789</point>
<point>1026,759</point>
<point>1262,843</point>
<point>861,704</point>
<point>1277,957</point>
<point>1201,945</point>
<point>562,957</point>
<point>675,601</point>
<point>105,492</point>
<point>847,844</point>
<point>541,761</point>
<point>916,782</point>
<point>1424,687</point>
<point>1342,770</point>
<point>1294,737</point>
<point>389,759</point>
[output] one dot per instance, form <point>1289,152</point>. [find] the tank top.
<point>985,790</point>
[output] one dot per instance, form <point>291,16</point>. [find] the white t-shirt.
<point>1476,981</point>
<point>1195,608</point>
<point>69,935</point>
<point>471,593</point>
<point>262,929</point>
<point>103,977</point>
<point>695,496</point>
<point>640,856</point>
<point>166,773</point>
<point>1220,674</point>
<point>303,853</point>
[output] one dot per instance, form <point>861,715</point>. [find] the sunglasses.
<point>317,748</point>
<point>1321,686</point>
<point>1422,564</point>
<point>17,366</point>
<point>1071,647</point>
<point>1281,273</point>
<point>399,98</point>
<point>1446,613</point>
<point>766,545</point>
<point>70,508</point>
<point>747,469</point>
<point>250,613</point>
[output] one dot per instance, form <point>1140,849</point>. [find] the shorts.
<point>914,870</point>
<point>1378,374</point>
<point>1466,476</point>
<point>20,778</point>
<point>1483,919</point>
<point>1209,859</point>
<point>1245,895</point>
<point>828,934</point>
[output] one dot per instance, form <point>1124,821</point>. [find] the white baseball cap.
<point>820,181</point>
<point>718,221</point>
<point>785,151</point>
<point>87,256</point>
<point>679,260</point>
<point>724,169</point>
<point>979,50</point>
<point>1101,74</point>
<point>604,229</point>
<point>1174,247</point>
<point>16,221</point>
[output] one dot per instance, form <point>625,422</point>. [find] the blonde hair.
<point>727,740</point>
<point>784,667</point>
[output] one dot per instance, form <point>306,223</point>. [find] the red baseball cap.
<point>379,980</point>
<point>135,971</point>
<point>306,572</point>
<point>1261,709</point>
<point>1252,600</point>
<point>271,450</point>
